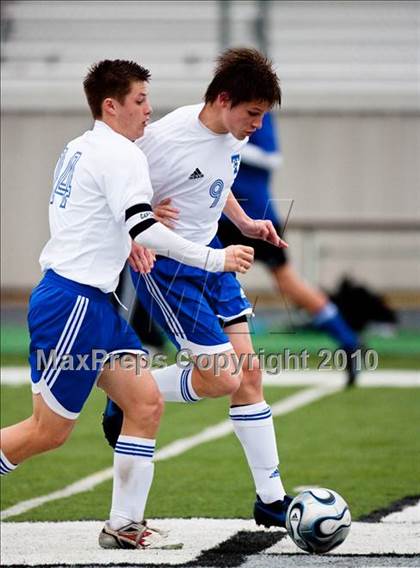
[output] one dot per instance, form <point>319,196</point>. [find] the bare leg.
<point>216,379</point>
<point>137,396</point>
<point>297,290</point>
<point>250,390</point>
<point>43,431</point>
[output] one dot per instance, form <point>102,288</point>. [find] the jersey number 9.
<point>216,190</point>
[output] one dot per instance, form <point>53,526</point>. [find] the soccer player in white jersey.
<point>101,201</point>
<point>194,156</point>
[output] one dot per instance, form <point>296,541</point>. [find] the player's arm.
<point>146,231</point>
<point>252,228</point>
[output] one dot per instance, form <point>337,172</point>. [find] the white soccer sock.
<point>6,466</point>
<point>175,384</point>
<point>133,475</point>
<point>253,425</point>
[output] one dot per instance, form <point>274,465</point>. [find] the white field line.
<point>71,543</point>
<point>176,448</point>
<point>410,514</point>
<point>16,376</point>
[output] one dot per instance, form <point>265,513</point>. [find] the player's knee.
<point>145,411</point>
<point>151,413</point>
<point>252,378</point>
<point>158,408</point>
<point>226,384</point>
<point>52,439</point>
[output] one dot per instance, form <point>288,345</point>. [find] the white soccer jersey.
<point>99,175</point>
<point>193,166</point>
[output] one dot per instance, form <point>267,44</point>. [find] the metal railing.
<point>310,229</point>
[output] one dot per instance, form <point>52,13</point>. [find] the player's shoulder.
<point>106,149</point>
<point>116,144</point>
<point>174,121</point>
<point>178,115</point>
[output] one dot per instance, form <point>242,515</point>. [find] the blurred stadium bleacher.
<point>331,54</point>
<point>350,122</point>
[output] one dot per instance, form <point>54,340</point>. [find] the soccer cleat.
<point>112,422</point>
<point>271,514</point>
<point>136,535</point>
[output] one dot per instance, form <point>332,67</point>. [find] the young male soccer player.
<point>194,156</point>
<point>101,197</point>
<point>252,188</point>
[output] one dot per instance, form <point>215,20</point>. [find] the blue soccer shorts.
<point>190,304</point>
<point>74,329</point>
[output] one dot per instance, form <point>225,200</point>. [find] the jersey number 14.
<point>63,179</point>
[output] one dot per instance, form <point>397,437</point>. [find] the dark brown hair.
<point>111,78</point>
<point>245,75</point>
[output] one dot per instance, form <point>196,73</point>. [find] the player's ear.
<point>108,106</point>
<point>224,99</point>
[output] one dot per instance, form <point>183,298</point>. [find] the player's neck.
<point>115,126</point>
<point>210,117</point>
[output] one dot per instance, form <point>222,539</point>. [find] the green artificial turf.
<point>362,443</point>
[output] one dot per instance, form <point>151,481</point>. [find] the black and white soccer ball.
<point>318,520</point>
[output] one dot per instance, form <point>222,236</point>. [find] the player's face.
<point>244,119</point>
<point>134,113</point>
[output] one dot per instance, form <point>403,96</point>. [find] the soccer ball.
<point>318,520</point>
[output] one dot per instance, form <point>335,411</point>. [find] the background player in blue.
<point>194,156</point>
<point>252,188</point>
<point>101,201</point>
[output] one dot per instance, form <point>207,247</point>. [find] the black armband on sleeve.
<point>138,218</point>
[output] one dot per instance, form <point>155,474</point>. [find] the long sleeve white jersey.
<point>101,195</point>
<point>193,166</point>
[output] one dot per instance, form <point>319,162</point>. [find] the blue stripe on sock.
<point>128,445</point>
<point>135,450</point>
<point>5,467</point>
<point>134,453</point>
<point>252,418</point>
<point>185,392</point>
<point>259,416</point>
<point>4,470</point>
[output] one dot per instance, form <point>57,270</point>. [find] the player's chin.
<point>140,132</point>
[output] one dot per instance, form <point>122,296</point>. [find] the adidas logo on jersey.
<point>196,174</point>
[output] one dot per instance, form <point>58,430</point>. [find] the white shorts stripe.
<point>165,314</point>
<point>168,314</point>
<point>76,309</point>
<point>71,339</point>
<point>63,350</point>
<point>167,306</point>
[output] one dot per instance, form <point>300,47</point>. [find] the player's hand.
<point>141,259</point>
<point>165,213</point>
<point>264,230</point>
<point>238,258</point>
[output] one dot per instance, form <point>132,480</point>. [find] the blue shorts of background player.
<point>63,321</point>
<point>192,305</point>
